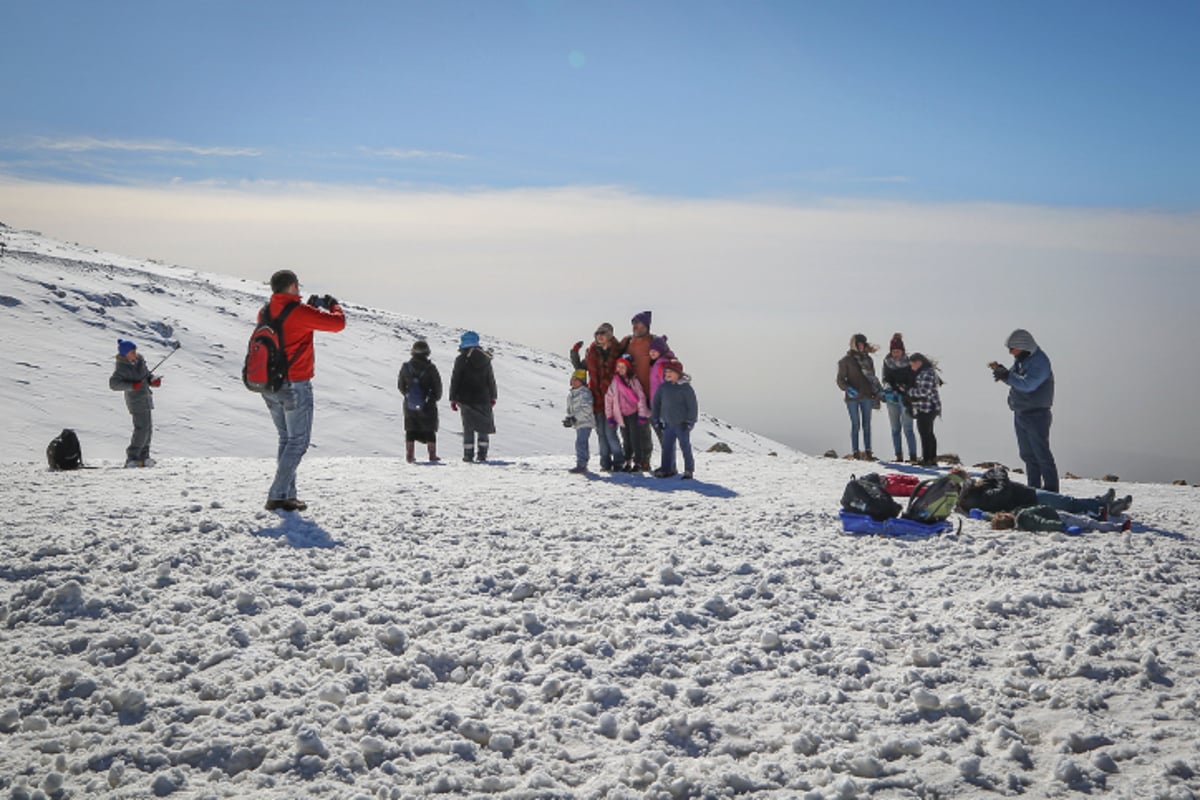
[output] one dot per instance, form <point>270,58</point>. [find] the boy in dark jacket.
<point>674,412</point>
<point>473,394</point>
<point>420,385</point>
<point>132,376</point>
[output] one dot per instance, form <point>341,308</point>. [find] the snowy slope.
<point>516,631</point>
<point>63,308</point>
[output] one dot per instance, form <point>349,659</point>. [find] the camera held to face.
<point>326,302</point>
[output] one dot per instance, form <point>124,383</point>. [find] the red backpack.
<point>267,364</point>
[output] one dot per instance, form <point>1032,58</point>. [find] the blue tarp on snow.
<point>861,523</point>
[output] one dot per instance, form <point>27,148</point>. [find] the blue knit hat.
<point>469,339</point>
<point>124,347</point>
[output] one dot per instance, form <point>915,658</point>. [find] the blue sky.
<point>767,177</point>
<point>1060,103</point>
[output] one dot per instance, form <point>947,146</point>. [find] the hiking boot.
<point>867,455</point>
<point>290,504</point>
<point>899,458</point>
<point>664,473</point>
<point>468,454</point>
<point>433,456</point>
<point>857,455</point>
<point>297,504</point>
<point>687,476</point>
<point>643,466</point>
<point>409,452</point>
<point>1120,506</point>
<point>1108,496</point>
<point>578,470</point>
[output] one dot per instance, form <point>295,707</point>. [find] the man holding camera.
<point>292,406</point>
<point>1030,395</point>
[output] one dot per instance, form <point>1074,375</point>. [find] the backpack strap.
<point>277,324</point>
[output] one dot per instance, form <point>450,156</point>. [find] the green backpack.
<point>935,499</point>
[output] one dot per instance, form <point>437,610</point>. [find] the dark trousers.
<point>928,440</point>
<point>1033,445</point>
<point>636,436</point>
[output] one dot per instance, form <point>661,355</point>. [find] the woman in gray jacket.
<point>132,377</point>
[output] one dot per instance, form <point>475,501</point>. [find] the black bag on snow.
<point>63,452</point>
<point>935,499</point>
<point>866,495</point>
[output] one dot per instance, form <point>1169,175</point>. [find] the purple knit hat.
<point>659,345</point>
<point>642,317</point>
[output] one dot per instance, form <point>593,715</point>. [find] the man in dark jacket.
<point>473,394</point>
<point>1030,396</point>
<point>292,406</point>
<point>132,377</point>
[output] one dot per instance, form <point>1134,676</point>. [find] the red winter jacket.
<point>298,331</point>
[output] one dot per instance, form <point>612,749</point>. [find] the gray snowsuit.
<point>139,401</point>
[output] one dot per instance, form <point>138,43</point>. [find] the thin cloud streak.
<point>88,144</point>
<point>412,155</point>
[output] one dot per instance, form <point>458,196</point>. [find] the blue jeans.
<point>860,408</point>
<point>1033,445</point>
<point>900,417</point>
<point>292,412</point>
<point>582,435</point>
<point>610,443</point>
<point>672,434</point>
<point>1072,505</point>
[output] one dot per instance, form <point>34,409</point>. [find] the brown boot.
<point>409,448</point>
<point>433,456</point>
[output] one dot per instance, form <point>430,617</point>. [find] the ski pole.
<point>164,358</point>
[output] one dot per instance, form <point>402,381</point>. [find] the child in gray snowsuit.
<point>582,417</point>
<point>132,377</point>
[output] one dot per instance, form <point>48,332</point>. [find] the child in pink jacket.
<point>626,408</point>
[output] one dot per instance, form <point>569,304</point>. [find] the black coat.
<point>472,383</point>
<point>997,493</point>
<point>425,420</point>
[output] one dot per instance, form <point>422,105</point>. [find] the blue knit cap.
<point>469,339</point>
<point>124,347</point>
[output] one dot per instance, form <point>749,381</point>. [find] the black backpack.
<point>866,495</point>
<point>266,366</point>
<point>63,452</point>
<point>934,500</point>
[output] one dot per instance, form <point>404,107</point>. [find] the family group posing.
<point>624,390</point>
<point>910,388</point>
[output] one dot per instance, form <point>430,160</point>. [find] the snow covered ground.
<point>511,630</point>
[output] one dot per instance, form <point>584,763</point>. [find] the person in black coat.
<point>473,394</point>
<point>420,385</point>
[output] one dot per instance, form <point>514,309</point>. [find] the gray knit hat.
<point>1021,339</point>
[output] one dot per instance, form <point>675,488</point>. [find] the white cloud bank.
<point>758,297</point>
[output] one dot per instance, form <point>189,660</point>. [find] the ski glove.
<point>1000,373</point>
<point>453,405</point>
<point>577,345</point>
<point>137,385</point>
<point>156,382</point>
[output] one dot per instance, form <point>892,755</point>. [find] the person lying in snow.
<point>996,492</point>
<point>1045,518</point>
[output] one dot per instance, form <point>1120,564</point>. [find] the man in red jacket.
<point>292,406</point>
